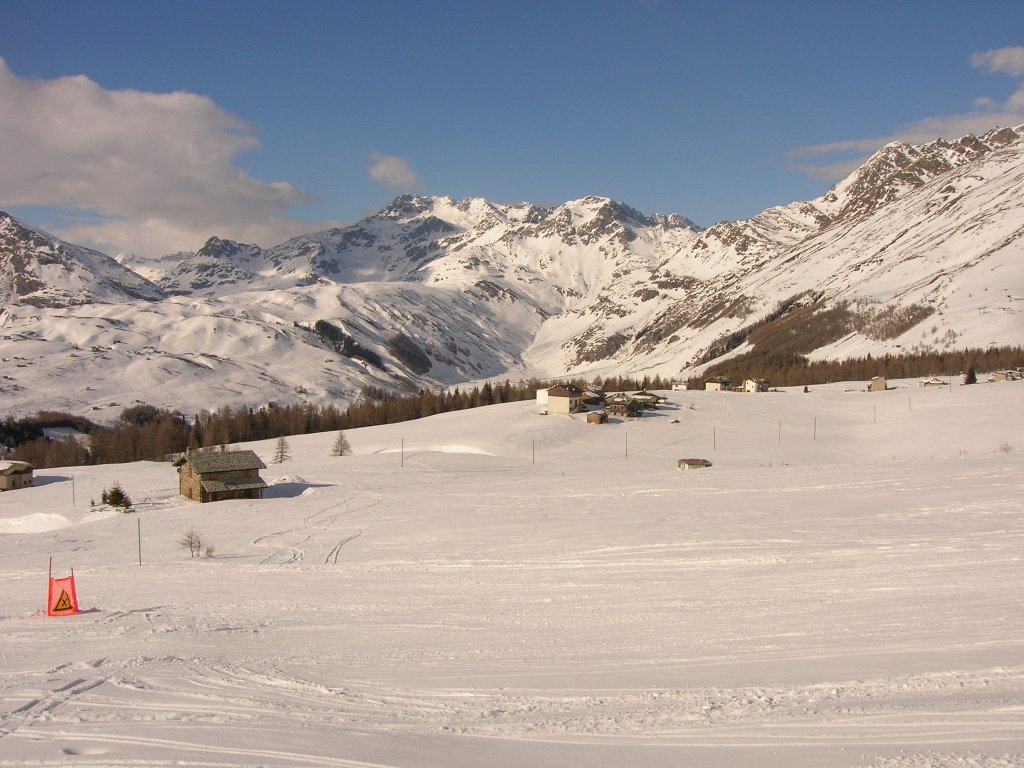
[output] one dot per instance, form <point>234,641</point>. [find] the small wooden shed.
<point>692,464</point>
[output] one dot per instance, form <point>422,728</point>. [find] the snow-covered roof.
<point>14,467</point>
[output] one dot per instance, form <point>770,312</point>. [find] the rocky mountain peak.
<point>406,207</point>
<point>899,167</point>
<point>218,248</point>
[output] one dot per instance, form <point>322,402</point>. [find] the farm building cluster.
<point>568,398</point>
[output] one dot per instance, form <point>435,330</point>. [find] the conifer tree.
<point>116,497</point>
<point>281,452</point>
<point>341,445</point>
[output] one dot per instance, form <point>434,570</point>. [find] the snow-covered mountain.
<point>40,270</point>
<point>918,248</point>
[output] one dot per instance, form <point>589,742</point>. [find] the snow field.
<point>494,587</point>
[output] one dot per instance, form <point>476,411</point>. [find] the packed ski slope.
<point>843,587</point>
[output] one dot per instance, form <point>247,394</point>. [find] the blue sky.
<point>151,126</point>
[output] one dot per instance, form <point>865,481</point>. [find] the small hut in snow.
<point>15,474</point>
<point>218,475</point>
<point>692,464</point>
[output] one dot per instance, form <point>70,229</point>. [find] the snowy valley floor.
<point>844,587</point>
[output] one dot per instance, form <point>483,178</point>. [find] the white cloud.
<point>986,115</point>
<point>1009,60</point>
<point>157,167</point>
<point>393,172</point>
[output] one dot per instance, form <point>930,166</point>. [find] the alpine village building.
<point>218,475</point>
<point>14,475</point>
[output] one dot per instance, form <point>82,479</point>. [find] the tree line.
<point>790,370</point>
<point>147,433</point>
<point>144,432</point>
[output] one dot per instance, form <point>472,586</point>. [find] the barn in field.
<point>218,475</point>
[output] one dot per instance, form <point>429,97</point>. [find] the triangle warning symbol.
<point>63,603</point>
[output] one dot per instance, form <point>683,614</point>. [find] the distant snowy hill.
<point>920,248</point>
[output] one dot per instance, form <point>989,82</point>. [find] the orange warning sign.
<point>62,598</point>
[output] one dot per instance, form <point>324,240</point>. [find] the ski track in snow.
<point>838,609</point>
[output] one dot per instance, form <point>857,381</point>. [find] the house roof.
<point>204,462</point>
<point>696,463</point>
<point>628,404</point>
<point>232,484</point>
<point>14,467</point>
<point>565,390</point>
<point>649,397</point>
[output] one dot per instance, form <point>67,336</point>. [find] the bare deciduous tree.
<point>192,541</point>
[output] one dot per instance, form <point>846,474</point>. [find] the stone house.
<point>15,474</point>
<point>597,417</point>
<point>624,407</point>
<point>755,385</point>
<point>648,399</point>
<point>878,384</point>
<point>218,475</point>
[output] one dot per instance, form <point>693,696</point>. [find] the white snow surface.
<point>843,587</point>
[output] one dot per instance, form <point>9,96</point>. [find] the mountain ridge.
<point>443,291</point>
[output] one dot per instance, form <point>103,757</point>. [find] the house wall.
<point>15,480</point>
<point>624,411</point>
<point>563,404</point>
<point>189,483</point>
